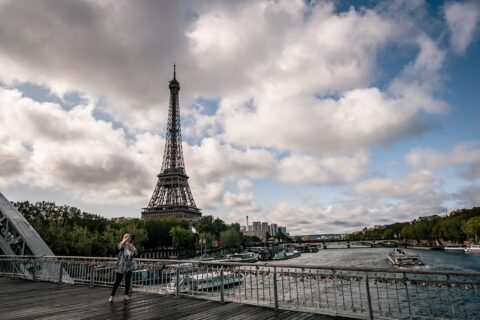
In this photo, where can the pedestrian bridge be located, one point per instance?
(321, 291)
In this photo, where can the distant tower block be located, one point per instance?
(172, 196)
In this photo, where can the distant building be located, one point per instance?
(259, 233)
(265, 227)
(120, 219)
(273, 229)
(257, 226)
(282, 230)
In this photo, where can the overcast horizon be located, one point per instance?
(323, 117)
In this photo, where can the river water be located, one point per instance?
(376, 257)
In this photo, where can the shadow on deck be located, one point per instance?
(21, 299)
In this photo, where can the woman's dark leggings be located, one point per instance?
(118, 279)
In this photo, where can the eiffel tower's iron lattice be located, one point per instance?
(172, 196)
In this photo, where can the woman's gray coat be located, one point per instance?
(125, 261)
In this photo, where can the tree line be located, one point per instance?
(458, 226)
(68, 231)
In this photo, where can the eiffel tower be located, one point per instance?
(172, 196)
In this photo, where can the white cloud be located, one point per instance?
(462, 19)
(306, 169)
(469, 196)
(49, 147)
(211, 164)
(414, 185)
(464, 157)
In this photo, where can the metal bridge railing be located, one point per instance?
(366, 293)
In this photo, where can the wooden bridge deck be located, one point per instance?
(21, 299)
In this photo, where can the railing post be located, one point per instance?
(222, 287)
(177, 281)
(60, 273)
(406, 292)
(369, 300)
(34, 274)
(275, 289)
(452, 305)
(92, 276)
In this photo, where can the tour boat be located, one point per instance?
(204, 281)
(454, 248)
(245, 257)
(474, 248)
(286, 254)
(400, 258)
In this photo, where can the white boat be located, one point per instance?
(204, 281)
(474, 248)
(459, 248)
(286, 254)
(399, 257)
(245, 257)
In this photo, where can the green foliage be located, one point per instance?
(207, 239)
(69, 231)
(249, 241)
(472, 227)
(453, 227)
(297, 239)
(182, 238)
(158, 232)
(280, 236)
(231, 237)
(207, 224)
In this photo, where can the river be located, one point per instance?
(376, 257)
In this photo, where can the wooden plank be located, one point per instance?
(22, 300)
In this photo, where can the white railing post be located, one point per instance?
(275, 289)
(177, 282)
(60, 273)
(406, 292)
(92, 276)
(34, 273)
(222, 287)
(369, 300)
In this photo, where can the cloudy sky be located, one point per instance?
(323, 116)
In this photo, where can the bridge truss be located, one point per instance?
(17, 236)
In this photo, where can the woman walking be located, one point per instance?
(124, 266)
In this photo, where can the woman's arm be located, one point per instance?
(121, 245)
(132, 248)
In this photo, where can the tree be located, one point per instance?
(207, 224)
(472, 227)
(158, 232)
(207, 238)
(230, 238)
(247, 240)
(297, 239)
(182, 238)
(280, 236)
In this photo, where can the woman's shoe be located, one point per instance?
(110, 299)
(126, 298)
